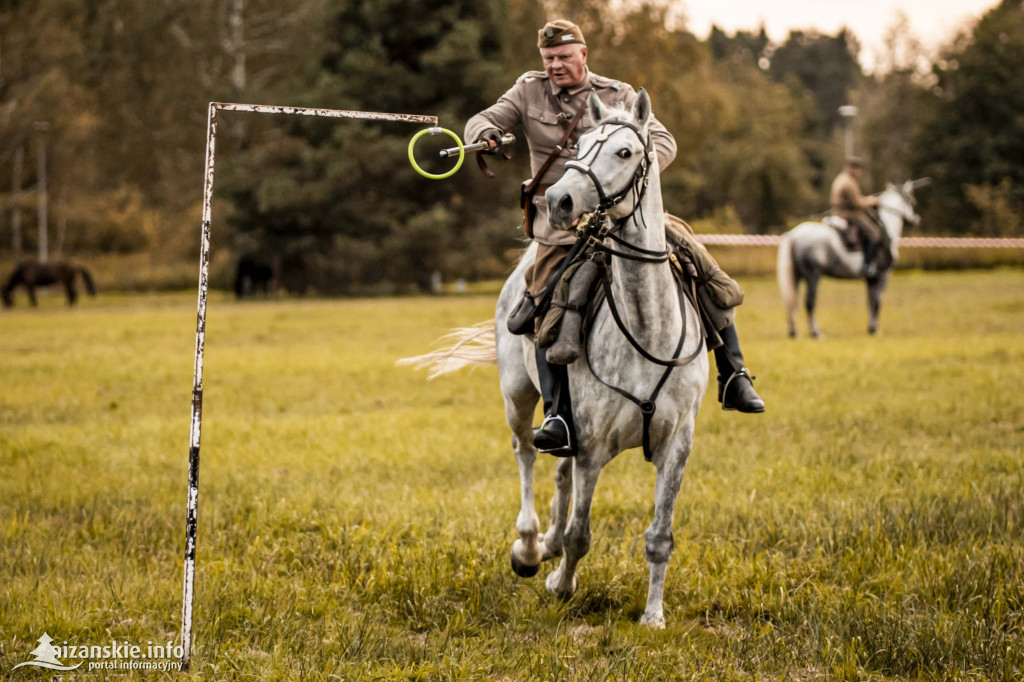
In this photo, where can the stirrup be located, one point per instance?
(743, 371)
(561, 451)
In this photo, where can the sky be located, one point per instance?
(933, 22)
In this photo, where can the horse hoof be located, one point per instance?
(552, 584)
(655, 622)
(522, 570)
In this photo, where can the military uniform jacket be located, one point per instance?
(527, 106)
(847, 201)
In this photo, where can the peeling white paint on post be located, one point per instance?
(329, 113)
(191, 519)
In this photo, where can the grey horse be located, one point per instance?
(606, 422)
(813, 249)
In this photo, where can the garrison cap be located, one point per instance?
(854, 162)
(559, 32)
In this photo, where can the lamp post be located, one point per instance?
(848, 112)
(41, 127)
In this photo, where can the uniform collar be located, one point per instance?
(579, 87)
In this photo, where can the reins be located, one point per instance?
(594, 233)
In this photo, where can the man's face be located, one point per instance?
(565, 65)
(854, 171)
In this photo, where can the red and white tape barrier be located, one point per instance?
(906, 242)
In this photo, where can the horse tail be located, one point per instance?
(786, 274)
(467, 346)
(87, 278)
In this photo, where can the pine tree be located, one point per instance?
(45, 652)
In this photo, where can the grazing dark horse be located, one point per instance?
(32, 274)
(253, 274)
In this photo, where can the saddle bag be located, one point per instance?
(520, 320)
(552, 322)
(722, 290)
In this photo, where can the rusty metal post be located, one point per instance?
(192, 513)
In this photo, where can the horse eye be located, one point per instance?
(625, 153)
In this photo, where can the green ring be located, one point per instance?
(433, 131)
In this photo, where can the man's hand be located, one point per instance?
(493, 136)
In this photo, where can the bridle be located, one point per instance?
(637, 184)
(592, 234)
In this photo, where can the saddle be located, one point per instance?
(847, 232)
(576, 295)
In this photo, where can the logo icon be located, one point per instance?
(46, 656)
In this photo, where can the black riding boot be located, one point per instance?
(557, 434)
(735, 385)
(870, 251)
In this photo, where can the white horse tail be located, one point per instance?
(467, 346)
(786, 275)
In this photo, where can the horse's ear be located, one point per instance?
(642, 107)
(598, 111)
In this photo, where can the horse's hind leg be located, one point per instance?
(791, 308)
(562, 581)
(69, 289)
(659, 534)
(810, 301)
(555, 537)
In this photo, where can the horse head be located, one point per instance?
(897, 209)
(613, 164)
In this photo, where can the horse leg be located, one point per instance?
(528, 550)
(554, 538)
(810, 300)
(32, 295)
(791, 306)
(659, 535)
(875, 288)
(562, 581)
(72, 293)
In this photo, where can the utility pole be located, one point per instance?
(41, 128)
(19, 161)
(848, 112)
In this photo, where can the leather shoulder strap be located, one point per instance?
(570, 127)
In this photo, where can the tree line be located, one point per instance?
(113, 95)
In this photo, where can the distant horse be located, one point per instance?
(253, 274)
(32, 274)
(617, 176)
(813, 249)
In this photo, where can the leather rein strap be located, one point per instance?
(594, 237)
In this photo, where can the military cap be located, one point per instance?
(559, 32)
(854, 162)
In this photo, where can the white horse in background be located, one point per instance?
(615, 162)
(813, 249)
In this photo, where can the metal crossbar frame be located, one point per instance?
(188, 591)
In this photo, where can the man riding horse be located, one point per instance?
(856, 209)
(551, 108)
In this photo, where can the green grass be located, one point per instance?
(355, 520)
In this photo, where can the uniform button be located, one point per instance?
(566, 99)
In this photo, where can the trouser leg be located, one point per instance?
(735, 384)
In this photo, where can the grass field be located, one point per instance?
(355, 521)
